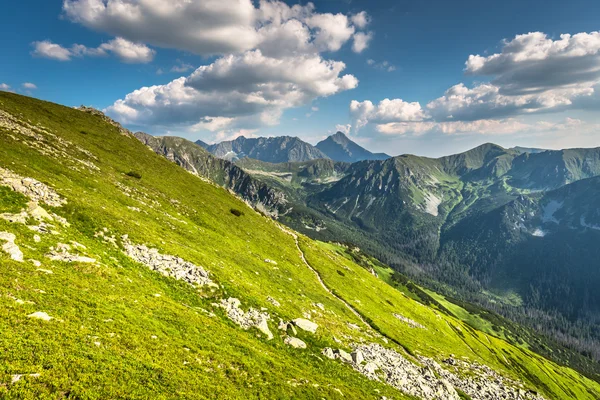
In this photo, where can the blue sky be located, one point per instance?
(540, 89)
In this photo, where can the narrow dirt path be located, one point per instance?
(356, 313)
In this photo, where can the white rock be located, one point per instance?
(328, 352)
(45, 271)
(371, 367)
(305, 325)
(10, 247)
(357, 357)
(251, 318)
(40, 315)
(342, 355)
(294, 342)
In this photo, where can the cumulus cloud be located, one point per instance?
(534, 63)
(125, 50)
(331, 30)
(5, 87)
(29, 86)
(217, 27)
(531, 74)
(361, 20)
(361, 41)
(249, 87)
(396, 110)
(47, 49)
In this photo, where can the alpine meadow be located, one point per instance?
(282, 199)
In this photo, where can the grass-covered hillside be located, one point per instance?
(119, 271)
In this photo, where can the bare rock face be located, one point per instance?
(167, 265)
(246, 320)
(10, 247)
(35, 190)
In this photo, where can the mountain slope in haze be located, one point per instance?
(541, 246)
(123, 275)
(339, 148)
(196, 160)
(274, 150)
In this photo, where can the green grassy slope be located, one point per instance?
(120, 330)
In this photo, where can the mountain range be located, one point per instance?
(283, 149)
(144, 267)
(417, 214)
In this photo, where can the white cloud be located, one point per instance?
(47, 49)
(212, 124)
(218, 27)
(396, 110)
(532, 73)
(314, 109)
(198, 26)
(129, 52)
(345, 129)
(361, 41)
(251, 88)
(181, 67)
(269, 57)
(29, 86)
(483, 127)
(4, 87)
(332, 30)
(361, 20)
(533, 62)
(382, 66)
(125, 50)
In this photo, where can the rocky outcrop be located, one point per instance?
(379, 363)
(246, 320)
(479, 381)
(10, 247)
(409, 322)
(167, 265)
(35, 190)
(61, 252)
(429, 380)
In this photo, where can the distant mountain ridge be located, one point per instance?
(273, 149)
(284, 149)
(339, 147)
